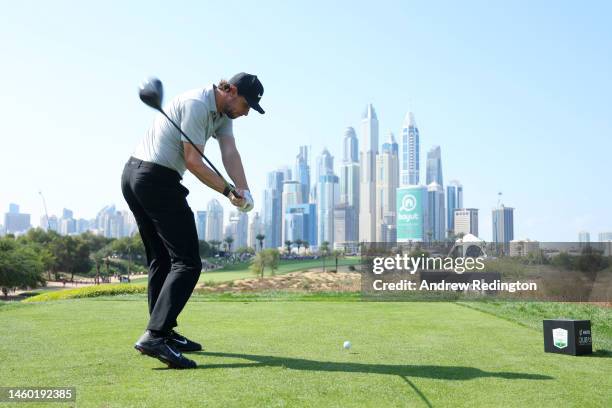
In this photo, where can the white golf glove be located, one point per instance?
(248, 201)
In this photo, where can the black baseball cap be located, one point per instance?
(250, 87)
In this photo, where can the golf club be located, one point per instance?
(152, 93)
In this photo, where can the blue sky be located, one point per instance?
(517, 94)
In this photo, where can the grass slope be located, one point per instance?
(241, 270)
(277, 354)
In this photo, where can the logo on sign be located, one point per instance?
(409, 203)
(560, 338)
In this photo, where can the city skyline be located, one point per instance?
(506, 94)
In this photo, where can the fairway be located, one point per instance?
(277, 354)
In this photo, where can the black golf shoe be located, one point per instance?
(162, 349)
(182, 343)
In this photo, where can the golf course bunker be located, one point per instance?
(311, 281)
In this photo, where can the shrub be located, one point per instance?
(89, 291)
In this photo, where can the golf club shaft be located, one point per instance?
(228, 185)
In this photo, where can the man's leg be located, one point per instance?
(164, 202)
(158, 258)
(178, 232)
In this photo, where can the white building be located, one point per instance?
(214, 221)
(387, 182)
(369, 151)
(255, 228)
(328, 196)
(409, 152)
(466, 221)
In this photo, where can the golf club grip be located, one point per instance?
(231, 187)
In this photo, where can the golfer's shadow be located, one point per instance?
(422, 371)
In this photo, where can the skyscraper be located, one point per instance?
(437, 215)
(503, 225)
(68, 224)
(434, 166)
(466, 221)
(605, 236)
(238, 229)
(16, 222)
(349, 184)
(410, 162)
(454, 200)
(328, 196)
(214, 221)
(201, 225)
(325, 164)
(584, 237)
(367, 201)
(272, 211)
(301, 223)
(292, 195)
(350, 146)
(82, 225)
(49, 224)
(344, 228)
(387, 182)
(255, 228)
(302, 172)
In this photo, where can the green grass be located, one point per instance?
(531, 314)
(289, 353)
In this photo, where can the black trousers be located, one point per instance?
(167, 228)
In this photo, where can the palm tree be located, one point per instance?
(306, 245)
(228, 241)
(324, 249)
(288, 245)
(337, 254)
(299, 243)
(260, 238)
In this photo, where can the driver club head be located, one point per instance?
(151, 92)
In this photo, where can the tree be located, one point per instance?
(324, 249)
(590, 262)
(337, 254)
(298, 242)
(260, 238)
(245, 250)
(229, 241)
(215, 244)
(288, 245)
(204, 249)
(271, 257)
(563, 261)
(265, 258)
(20, 265)
(258, 264)
(39, 240)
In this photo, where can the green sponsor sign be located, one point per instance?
(410, 202)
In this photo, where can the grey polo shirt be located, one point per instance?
(196, 113)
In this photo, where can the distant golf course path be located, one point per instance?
(286, 354)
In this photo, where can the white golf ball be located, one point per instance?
(347, 345)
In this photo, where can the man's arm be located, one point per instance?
(194, 163)
(232, 161)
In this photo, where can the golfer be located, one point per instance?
(151, 185)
